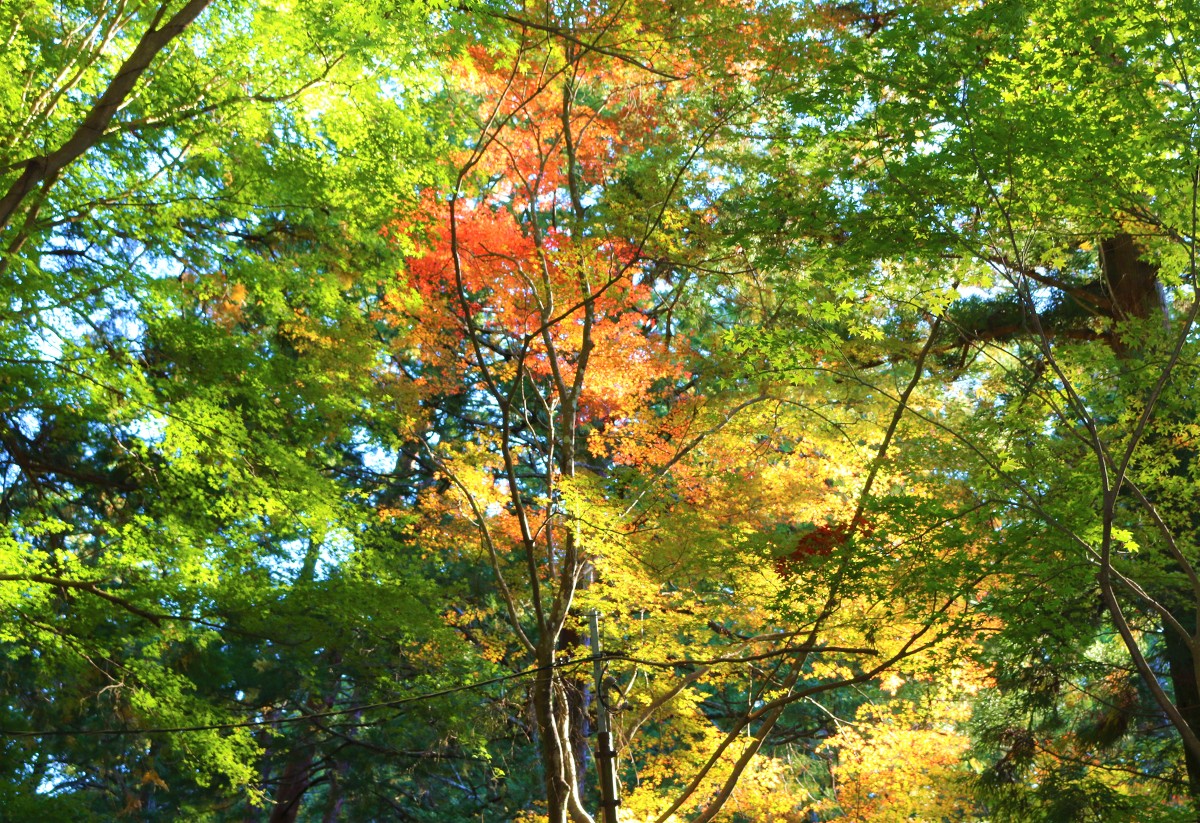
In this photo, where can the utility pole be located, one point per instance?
(606, 757)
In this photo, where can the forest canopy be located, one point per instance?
(646, 410)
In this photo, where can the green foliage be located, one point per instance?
(876, 322)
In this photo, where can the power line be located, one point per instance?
(383, 704)
(418, 698)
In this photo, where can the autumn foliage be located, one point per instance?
(395, 395)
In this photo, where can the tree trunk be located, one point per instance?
(1132, 287)
(554, 757)
(1187, 697)
(292, 785)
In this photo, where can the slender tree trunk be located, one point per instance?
(577, 699)
(554, 757)
(333, 806)
(1187, 697)
(1132, 287)
(292, 786)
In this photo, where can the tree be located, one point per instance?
(351, 357)
(566, 241)
(535, 308)
(184, 362)
(1040, 161)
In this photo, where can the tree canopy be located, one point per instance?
(781, 411)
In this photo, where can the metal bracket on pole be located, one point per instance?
(606, 757)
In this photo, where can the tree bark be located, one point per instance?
(292, 785)
(554, 758)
